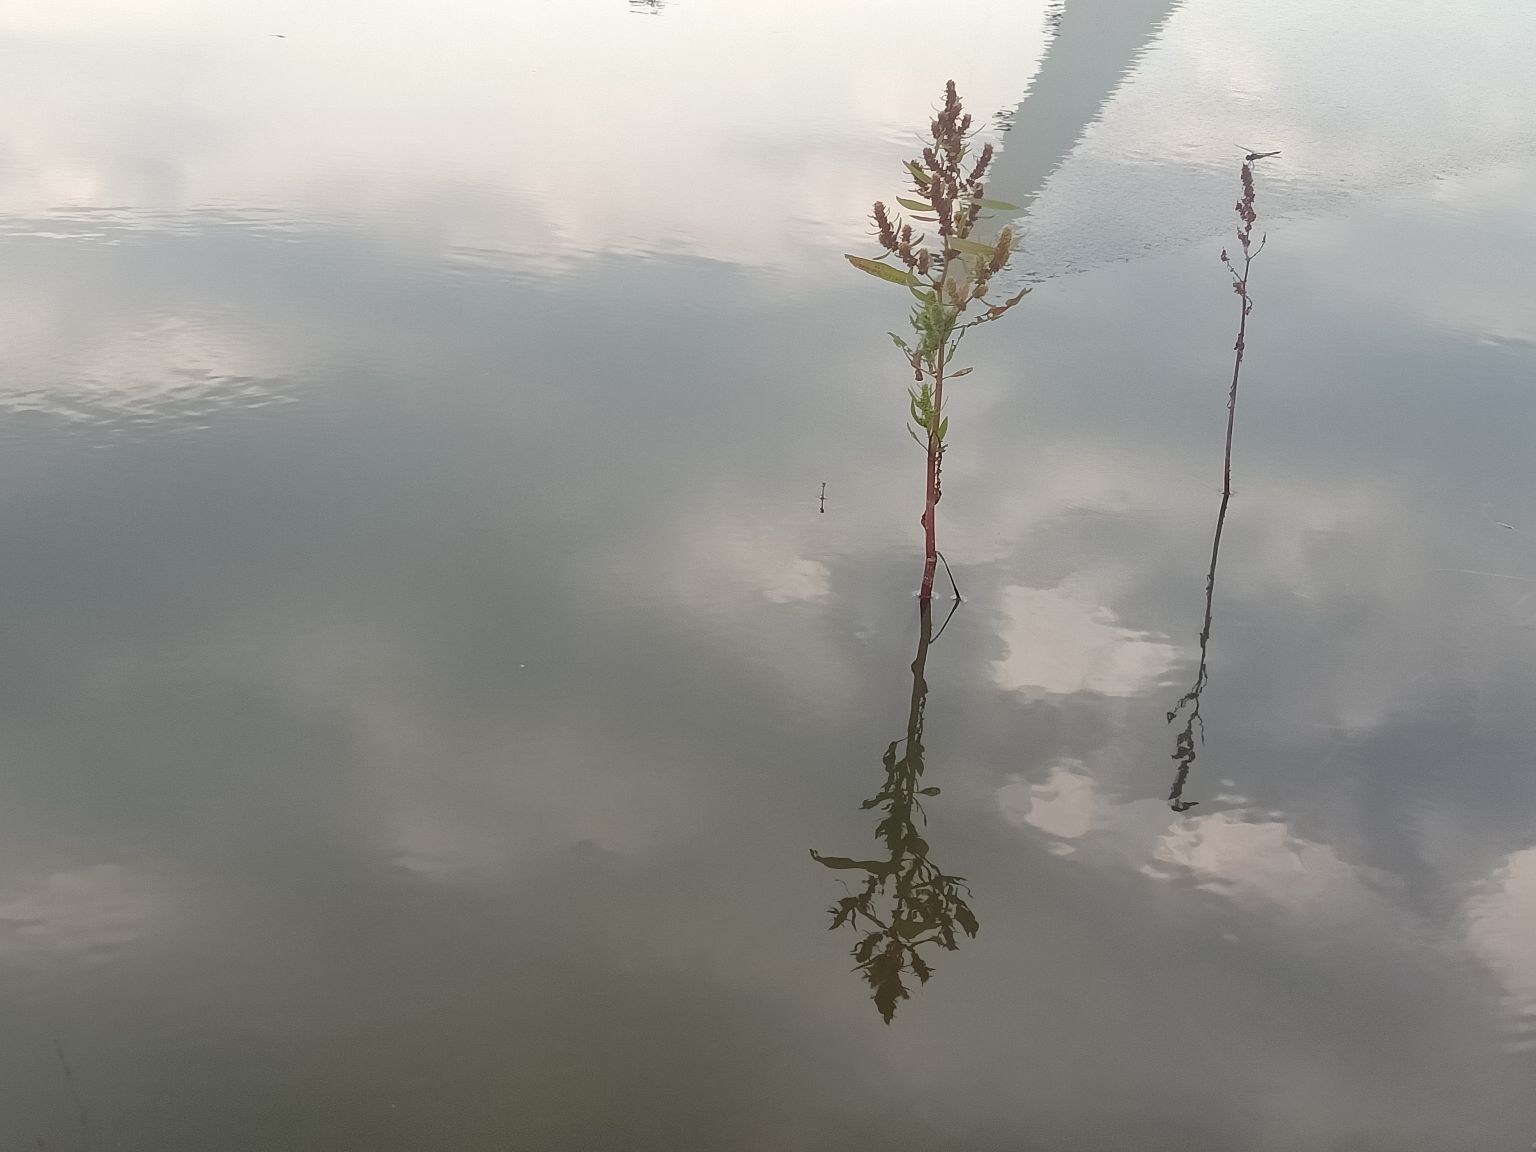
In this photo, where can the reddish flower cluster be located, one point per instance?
(1245, 211)
(941, 183)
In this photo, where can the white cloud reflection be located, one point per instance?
(1501, 931)
(1062, 640)
(1065, 806)
(730, 131)
(87, 912)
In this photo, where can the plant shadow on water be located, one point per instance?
(1189, 703)
(907, 903)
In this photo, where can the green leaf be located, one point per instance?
(971, 246)
(914, 205)
(900, 343)
(912, 432)
(999, 205)
(884, 271)
(917, 173)
(930, 791)
(966, 918)
(943, 432)
(962, 372)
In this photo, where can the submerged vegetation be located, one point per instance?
(949, 279)
(906, 903)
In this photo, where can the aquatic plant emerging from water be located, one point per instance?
(1246, 216)
(906, 903)
(949, 280)
(1194, 725)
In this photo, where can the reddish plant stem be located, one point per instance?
(930, 539)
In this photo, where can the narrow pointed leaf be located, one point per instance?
(914, 205)
(884, 271)
(999, 205)
(969, 246)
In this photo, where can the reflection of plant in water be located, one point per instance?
(946, 281)
(906, 903)
(1184, 746)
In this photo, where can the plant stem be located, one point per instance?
(1237, 366)
(930, 539)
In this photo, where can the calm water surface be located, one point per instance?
(427, 681)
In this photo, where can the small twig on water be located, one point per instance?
(953, 586)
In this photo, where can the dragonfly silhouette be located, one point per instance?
(1252, 155)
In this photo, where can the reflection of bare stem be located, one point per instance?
(906, 902)
(74, 1094)
(1184, 746)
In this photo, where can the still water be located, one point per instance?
(432, 696)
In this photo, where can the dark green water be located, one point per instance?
(426, 672)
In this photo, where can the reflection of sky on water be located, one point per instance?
(543, 131)
(433, 752)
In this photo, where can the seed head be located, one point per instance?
(883, 228)
(982, 164)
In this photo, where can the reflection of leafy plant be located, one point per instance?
(906, 902)
(946, 281)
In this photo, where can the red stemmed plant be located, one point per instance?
(948, 279)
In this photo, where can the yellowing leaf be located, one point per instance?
(960, 243)
(884, 271)
(999, 205)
